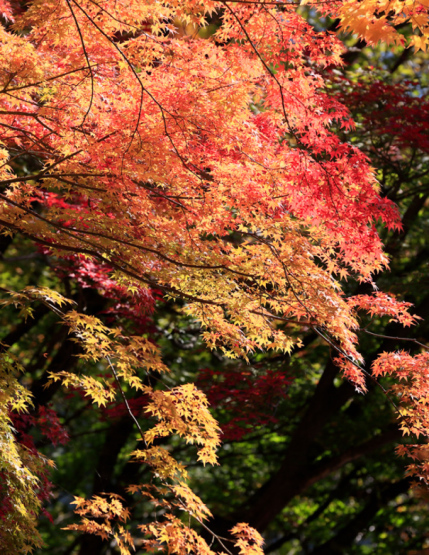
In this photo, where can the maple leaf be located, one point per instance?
(209, 171)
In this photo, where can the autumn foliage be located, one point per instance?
(202, 171)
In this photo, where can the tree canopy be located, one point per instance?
(194, 200)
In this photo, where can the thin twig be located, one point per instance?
(126, 400)
(396, 338)
(87, 62)
(361, 368)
